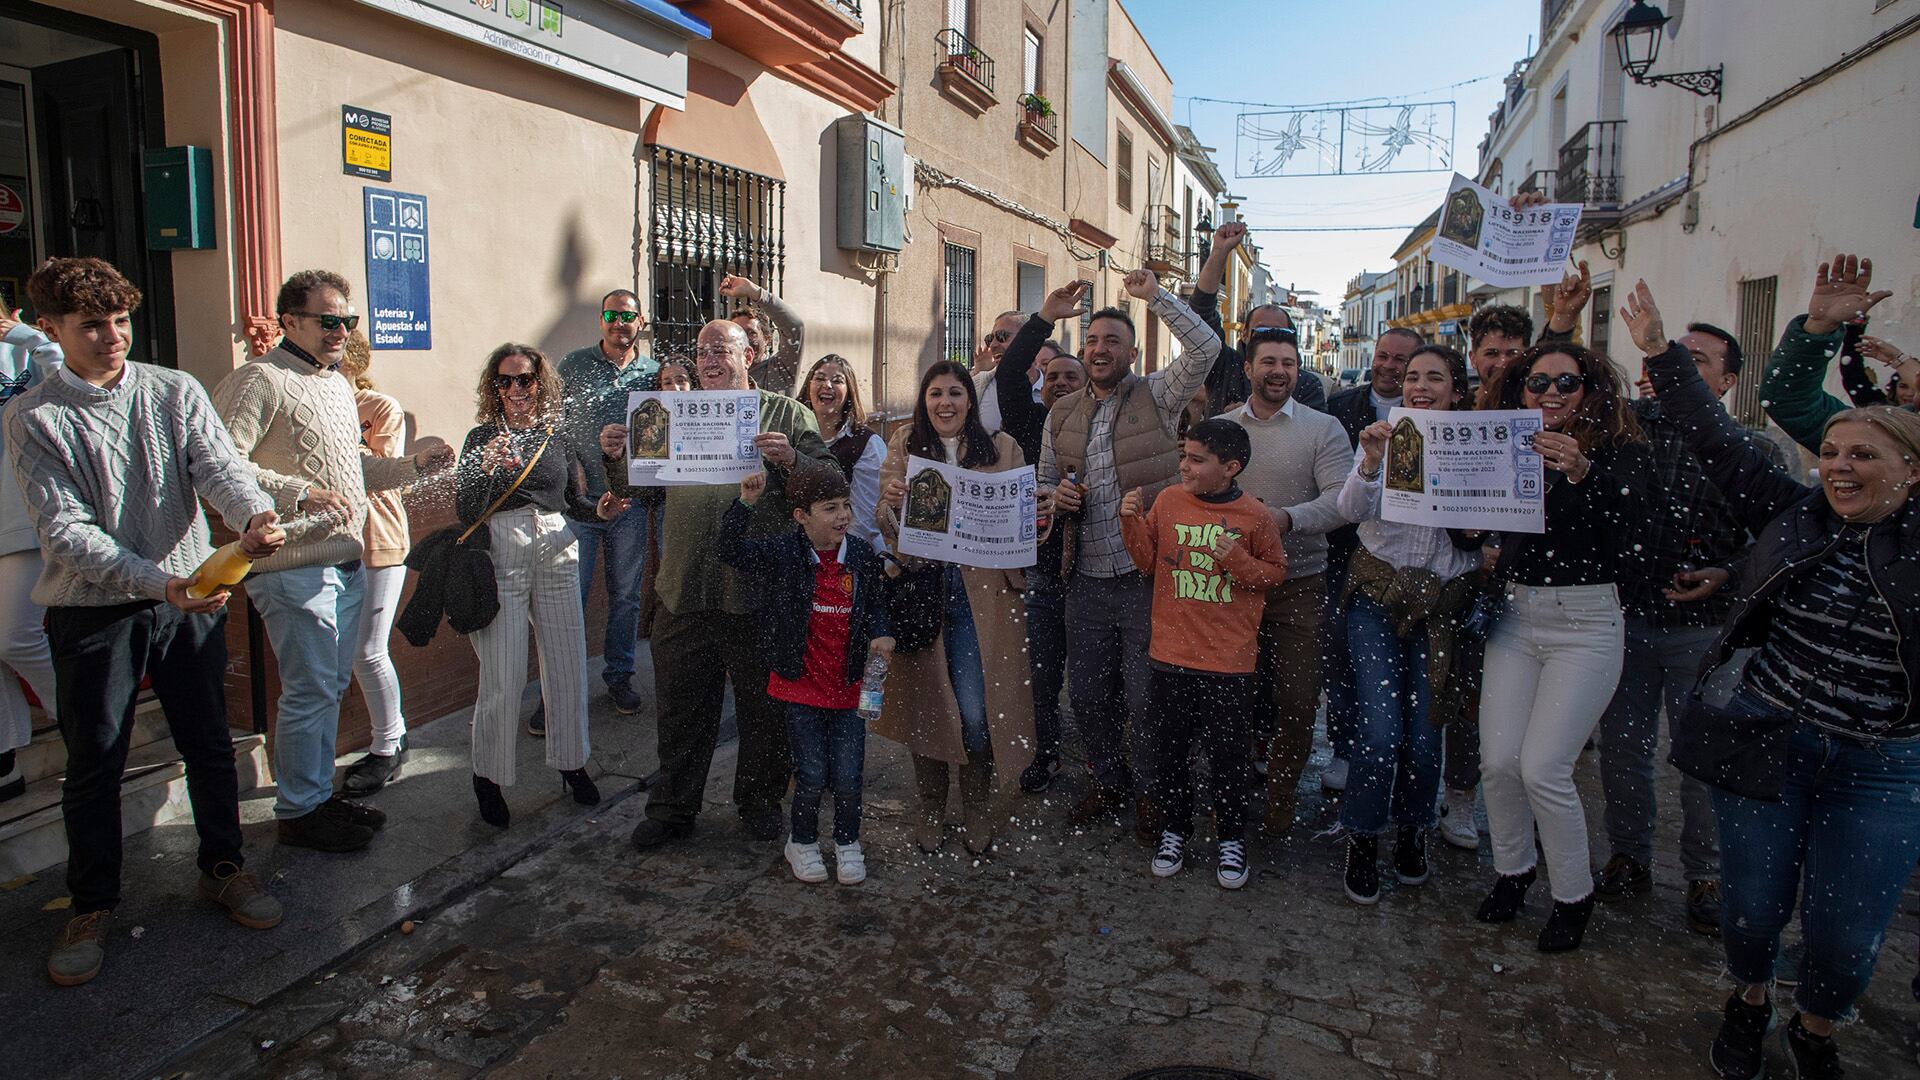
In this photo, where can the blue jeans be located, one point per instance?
(1848, 820)
(829, 752)
(313, 620)
(624, 543)
(1046, 656)
(1396, 749)
(1337, 674)
(963, 665)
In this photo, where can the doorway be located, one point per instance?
(79, 103)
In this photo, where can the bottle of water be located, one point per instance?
(870, 686)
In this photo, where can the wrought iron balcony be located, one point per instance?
(1589, 170)
(1165, 250)
(1543, 180)
(851, 7)
(964, 57)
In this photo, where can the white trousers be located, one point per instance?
(24, 653)
(1551, 667)
(536, 568)
(379, 684)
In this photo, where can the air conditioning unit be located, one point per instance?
(872, 182)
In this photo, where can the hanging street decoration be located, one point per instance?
(1345, 141)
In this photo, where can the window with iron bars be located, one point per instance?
(708, 220)
(1755, 332)
(960, 304)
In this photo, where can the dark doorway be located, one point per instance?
(79, 106)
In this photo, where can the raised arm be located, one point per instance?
(1853, 370)
(777, 372)
(1796, 373)
(1199, 345)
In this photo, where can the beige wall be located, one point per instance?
(530, 178)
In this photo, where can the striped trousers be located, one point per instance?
(536, 568)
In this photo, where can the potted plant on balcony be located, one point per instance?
(1038, 108)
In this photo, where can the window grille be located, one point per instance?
(708, 220)
(1756, 341)
(961, 338)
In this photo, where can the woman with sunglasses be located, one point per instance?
(1828, 593)
(963, 700)
(536, 569)
(1554, 658)
(833, 393)
(1405, 584)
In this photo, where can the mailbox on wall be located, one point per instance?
(872, 184)
(179, 198)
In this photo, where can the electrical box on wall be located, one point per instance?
(871, 184)
(179, 198)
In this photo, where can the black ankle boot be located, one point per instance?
(578, 782)
(493, 805)
(1410, 856)
(1509, 895)
(1363, 868)
(1566, 925)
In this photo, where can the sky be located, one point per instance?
(1289, 52)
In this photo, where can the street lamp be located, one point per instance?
(1636, 38)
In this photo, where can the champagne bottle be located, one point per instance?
(223, 569)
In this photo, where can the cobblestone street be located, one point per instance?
(1059, 957)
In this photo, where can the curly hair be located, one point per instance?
(1500, 319)
(547, 378)
(62, 287)
(358, 358)
(298, 288)
(1602, 418)
(851, 411)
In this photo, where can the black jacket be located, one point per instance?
(1794, 524)
(1025, 421)
(1354, 409)
(456, 581)
(785, 564)
(1227, 383)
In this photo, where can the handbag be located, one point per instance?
(456, 578)
(1481, 616)
(916, 605)
(1737, 752)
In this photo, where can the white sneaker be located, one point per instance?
(1233, 864)
(807, 864)
(1171, 856)
(1456, 821)
(849, 863)
(1335, 777)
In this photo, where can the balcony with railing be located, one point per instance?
(1589, 171)
(851, 8)
(1039, 125)
(1541, 180)
(1165, 249)
(966, 72)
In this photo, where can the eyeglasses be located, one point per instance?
(714, 352)
(523, 380)
(329, 323)
(1565, 383)
(611, 317)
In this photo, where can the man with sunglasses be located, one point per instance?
(1227, 382)
(597, 380)
(295, 419)
(986, 367)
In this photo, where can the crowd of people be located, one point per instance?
(1212, 559)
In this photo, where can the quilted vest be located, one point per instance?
(1144, 454)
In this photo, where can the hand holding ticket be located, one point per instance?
(1502, 242)
(1466, 470)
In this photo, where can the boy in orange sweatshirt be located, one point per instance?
(1212, 552)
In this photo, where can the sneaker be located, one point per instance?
(1038, 776)
(1171, 856)
(13, 779)
(651, 833)
(849, 863)
(1624, 877)
(1363, 868)
(77, 958)
(537, 723)
(1738, 1050)
(240, 893)
(1457, 826)
(1335, 776)
(322, 830)
(1232, 872)
(1410, 856)
(373, 772)
(625, 701)
(355, 813)
(806, 862)
(1815, 1057)
(1703, 907)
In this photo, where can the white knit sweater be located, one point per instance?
(110, 478)
(300, 426)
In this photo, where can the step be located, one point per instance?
(46, 755)
(33, 836)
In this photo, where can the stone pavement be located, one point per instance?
(1058, 957)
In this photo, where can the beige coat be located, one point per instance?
(920, 711)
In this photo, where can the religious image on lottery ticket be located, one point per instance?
(1464, 470)
(1483, 236)
(691, 437)
(973, 518)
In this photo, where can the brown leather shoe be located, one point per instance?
(240, 893)
(1097, 805)
(931, 830)
(77, 958)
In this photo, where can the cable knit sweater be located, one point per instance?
(300, 427)
(110, 478)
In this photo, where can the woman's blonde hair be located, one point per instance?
(358, 359)
(1903, 425)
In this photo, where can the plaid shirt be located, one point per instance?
(1684, 507)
